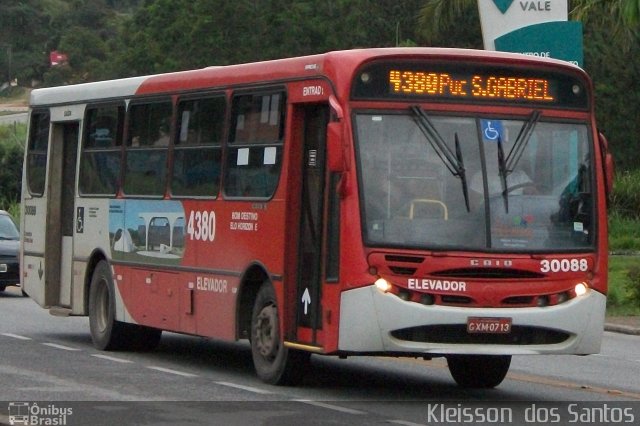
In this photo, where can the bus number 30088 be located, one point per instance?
(202, 226)
(564, 265)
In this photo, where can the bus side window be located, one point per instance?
(255, 145)
(148, 135)
(198, 153)
(37, 152)
(102, 142)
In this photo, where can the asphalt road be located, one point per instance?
(50, 370)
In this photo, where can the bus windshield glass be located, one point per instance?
(475, 182)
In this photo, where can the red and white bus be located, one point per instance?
(405, 202)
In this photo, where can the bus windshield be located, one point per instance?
(474, 182)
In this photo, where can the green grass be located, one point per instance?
(13, 134)
(624, 234)
(624, 239)
(12, 207)
(14, 210)
(618, 301)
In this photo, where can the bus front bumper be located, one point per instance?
(375, 322)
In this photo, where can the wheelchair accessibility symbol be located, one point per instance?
(492, 130)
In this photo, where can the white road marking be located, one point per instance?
(16, 336)
(112, 358)
(247, 388)
(170, 371)
(57, 346)
(331, 407)
(405, 423)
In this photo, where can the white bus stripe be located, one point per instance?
(170, 371)
(16, 336)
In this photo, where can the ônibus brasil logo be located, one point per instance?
(32, 414)
(503, 5)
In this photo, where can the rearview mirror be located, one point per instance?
(608, 165)
(337, 154)
(335, 151)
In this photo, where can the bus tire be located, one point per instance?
(106, 333)
(479, 371)
(274, 362)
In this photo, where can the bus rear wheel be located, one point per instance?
(479, 371)
(106, 333)
(274, 362)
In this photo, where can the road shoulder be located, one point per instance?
(623, 324)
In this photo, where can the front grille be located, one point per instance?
(455, 300)
(402, 270)
(403, 265)
(404, 259)
(519, 300)
(491, 273)
(457, 334)
(11, 275)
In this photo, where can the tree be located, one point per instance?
(621, 16)
(613, 66)
(23, 33)
(167, 35)
(10, 163)
(440, 17)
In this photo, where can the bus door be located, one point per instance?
(312, 206)
(60, 213)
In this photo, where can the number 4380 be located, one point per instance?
(202, 225)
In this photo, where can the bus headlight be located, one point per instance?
(581, 289)
(383, 285)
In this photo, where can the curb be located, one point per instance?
(623, 329)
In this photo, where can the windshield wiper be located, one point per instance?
(452, 161)
(502, 169)
(506, 166)
(521, 141)
(461, 173)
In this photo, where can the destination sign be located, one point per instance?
(458, 81)
(473, 86)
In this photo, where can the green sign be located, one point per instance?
(559, 40)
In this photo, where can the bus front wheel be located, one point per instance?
(479, 371)
(274, 362)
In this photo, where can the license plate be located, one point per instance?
(488, 325)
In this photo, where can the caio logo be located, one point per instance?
(503, 5)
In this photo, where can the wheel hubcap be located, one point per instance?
(103, 307)
(266, 332)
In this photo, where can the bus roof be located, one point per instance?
(339, 66)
